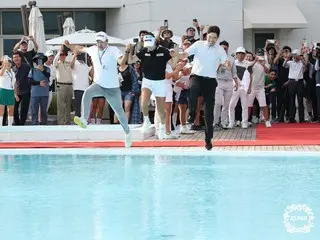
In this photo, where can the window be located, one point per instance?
(51, 22)
(95, 21)
(261, 38)
(12, 23)
(8, 45)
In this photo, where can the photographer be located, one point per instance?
(317, 68)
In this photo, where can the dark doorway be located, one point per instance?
(261, 38)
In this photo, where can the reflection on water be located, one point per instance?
(162, 197)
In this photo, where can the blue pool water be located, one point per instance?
(110, 197)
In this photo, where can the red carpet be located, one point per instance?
(288, 133)
(277, 135)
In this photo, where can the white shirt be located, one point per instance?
(206, 59)
(80, 76)
(295, 69)
(7, 80)
(258, 76)
(52, 73)
(106, 71)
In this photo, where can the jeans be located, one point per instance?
(41, 102)
(78, 98)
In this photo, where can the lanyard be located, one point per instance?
(10, 75)
(100, 57)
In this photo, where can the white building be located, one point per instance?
(242, 22)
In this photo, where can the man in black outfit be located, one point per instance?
(208, 57)
(21, 71)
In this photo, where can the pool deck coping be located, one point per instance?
(312, 151)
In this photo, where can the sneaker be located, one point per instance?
(224, 126)
(268, 124)
(255, 120)
(81, 122)
(161, 132)
(244, 125)
(250, 124)
(92, 121)
(238, 124)
(128, 140)
(230, 126)
(185, 130)
(171, 136)
(146, 125)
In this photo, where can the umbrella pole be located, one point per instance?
(60, 23)
(24, 20)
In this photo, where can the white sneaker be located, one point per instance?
(268, 124)
(244, 125)
(186, 130)
(238, 124)
(146, 125)
(231, 125)
(128, 140)
(161, 132)
(171, 136)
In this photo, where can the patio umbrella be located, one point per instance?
(68, 26)
(84, 37)
(36, 29)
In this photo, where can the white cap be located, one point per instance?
(241, 50)
(149, 41)
(101, 36)
(49, 53)
(296, 52)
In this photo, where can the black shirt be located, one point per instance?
(283, 74)
(127, 80)
(154, 63)
(22, 80)
(28, 57)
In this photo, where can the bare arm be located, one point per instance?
(75, 48)
(35, 44)
(125, 58)
(73, 60)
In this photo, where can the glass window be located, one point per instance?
(51, 22)
(12, 23)
(8, 45)
(95, 20)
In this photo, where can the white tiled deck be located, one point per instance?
(70, 133)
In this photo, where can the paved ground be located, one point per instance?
(221, 134)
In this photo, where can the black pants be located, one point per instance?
(207, 88)
(314, 100)
(272, 99)
(78, 98)
(238, 111)
(20, 115)
(296, 89)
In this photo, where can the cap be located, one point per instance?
(149, 40)
(24, 41)
(101, 36)
(49, 53)
(296, 52)
(241, 50)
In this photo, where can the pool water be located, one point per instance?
(109, 197)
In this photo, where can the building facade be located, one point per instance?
(245, 23)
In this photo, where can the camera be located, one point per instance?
(318, 50)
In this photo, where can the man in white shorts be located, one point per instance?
(244, 73)
(154, 59)
(106, 82)
(259, 69)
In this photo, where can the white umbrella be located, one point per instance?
(175, 39)
(36, 30)
(68, 26)
(84, 37)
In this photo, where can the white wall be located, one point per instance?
(140, 14)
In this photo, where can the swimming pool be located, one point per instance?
(62, 194)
